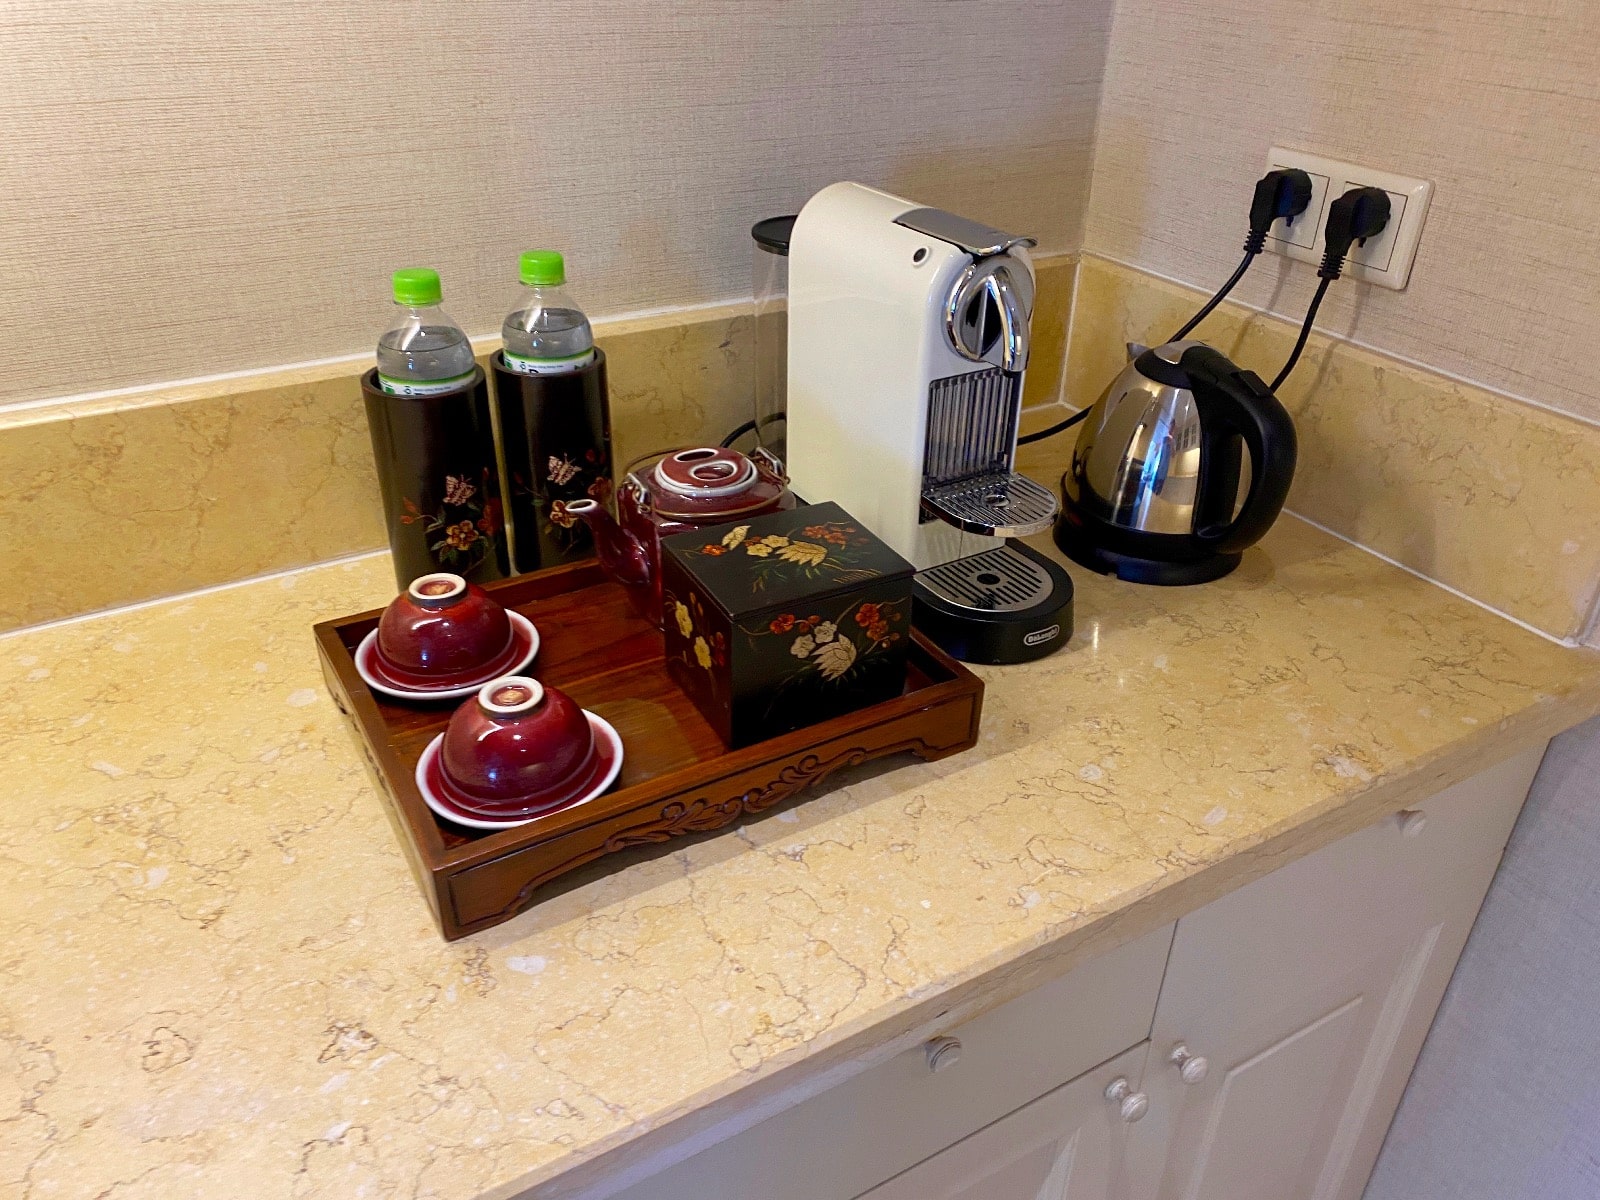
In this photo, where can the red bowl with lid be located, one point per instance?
(441, 629)
(516, 742)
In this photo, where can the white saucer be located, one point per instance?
(513, 661)
(442, 807)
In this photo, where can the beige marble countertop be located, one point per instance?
(218, 978)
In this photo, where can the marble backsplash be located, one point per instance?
(113, 500)
(119, 499)
(1485, 494)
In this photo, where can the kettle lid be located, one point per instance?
(1164, 364)
(1172, 352)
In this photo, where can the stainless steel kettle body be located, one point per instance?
(1154, 492)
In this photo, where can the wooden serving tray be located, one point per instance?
(676, 777)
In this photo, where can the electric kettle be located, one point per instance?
(1153, 492)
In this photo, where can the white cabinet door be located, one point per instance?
(1309, 993)
(1066, 1145)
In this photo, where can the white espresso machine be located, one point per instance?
(908, 338)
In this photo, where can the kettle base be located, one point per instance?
(1132, 568)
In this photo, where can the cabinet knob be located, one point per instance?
(942, 1052)
(1131, 1105)
(1412, 821)
(1192, 1068)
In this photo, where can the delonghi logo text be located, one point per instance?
(1041, 635)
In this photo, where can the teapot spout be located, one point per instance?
(619, 551)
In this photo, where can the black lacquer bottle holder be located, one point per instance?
(435, 457)
(555, 432)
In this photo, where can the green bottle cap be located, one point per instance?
(542, 268)
(417, 287)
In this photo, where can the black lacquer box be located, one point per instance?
(786, 620)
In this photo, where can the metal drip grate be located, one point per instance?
(972, 426)
(1003, 504)
(998, 580)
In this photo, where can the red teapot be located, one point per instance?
(670, 493)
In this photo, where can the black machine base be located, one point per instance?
(1006, 605)
(1146, 570)
(1181, 559)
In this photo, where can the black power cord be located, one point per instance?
(747, 427)
(1050, 431)
(1360, 213)
(1219, 297)
(1282, 193)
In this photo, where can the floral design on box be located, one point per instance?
(465, 525)
(831, 648)
(835, 648)
(703, 647)
(832, 550)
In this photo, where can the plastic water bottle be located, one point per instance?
(546, 333)
(423, 352)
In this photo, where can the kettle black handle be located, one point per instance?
(1235, 402)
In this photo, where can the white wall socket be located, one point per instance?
(1385, 259)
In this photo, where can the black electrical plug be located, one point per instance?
(1283, 193)
(1360, 213)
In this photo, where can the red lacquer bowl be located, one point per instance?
(441, 628)
(516, 742)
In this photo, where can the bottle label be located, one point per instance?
(547, 366)
(422, 387)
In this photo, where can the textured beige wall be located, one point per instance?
(1498, 104)
(225, 184)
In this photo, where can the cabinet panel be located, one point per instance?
(1269, 1108)
(1299, 1093)
(840, 1142)
(1464, 823)
(1066, 1145)
(1309, 992)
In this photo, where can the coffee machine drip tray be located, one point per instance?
(998, 580)
(1002, 504)
(1010, 604)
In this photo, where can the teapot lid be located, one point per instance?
(705, 473)
(708, 483)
